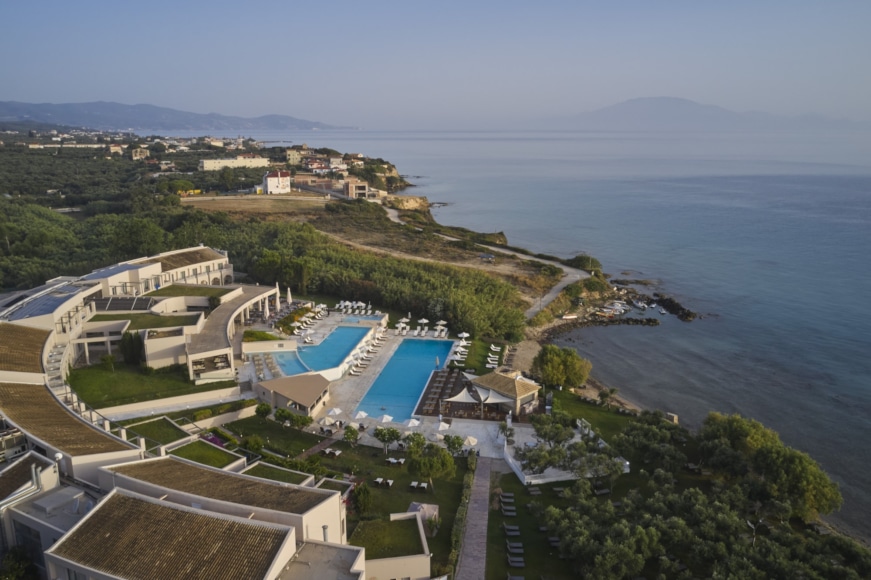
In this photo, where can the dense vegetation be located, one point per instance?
(744, 518)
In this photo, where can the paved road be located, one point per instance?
(473, 555)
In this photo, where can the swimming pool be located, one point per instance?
(396, 390)
(327, 355)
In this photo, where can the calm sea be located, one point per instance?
(767, 235)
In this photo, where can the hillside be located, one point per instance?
(110, 116)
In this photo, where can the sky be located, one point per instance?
(409, 65)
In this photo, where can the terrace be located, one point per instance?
(21, 348)
(34, 410)
(215, 484)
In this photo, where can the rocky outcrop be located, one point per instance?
(406, 202)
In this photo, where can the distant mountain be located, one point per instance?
(675, 114)
(117, 117)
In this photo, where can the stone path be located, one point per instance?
(317, 448)
(473, 554)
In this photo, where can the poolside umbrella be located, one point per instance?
(463, 335)
(442, 322)
(411, 423)
(296, 323)
(423, 321)
(404, 320)
(437, 437)
(385, 419)
(328, 421)
(361, 415)
(335, 411)
(470, 441)
(444, 426)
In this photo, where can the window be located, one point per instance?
(73, 575)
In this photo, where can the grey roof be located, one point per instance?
(111, 271)
(45, 304)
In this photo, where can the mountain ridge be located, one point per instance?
(108, 115)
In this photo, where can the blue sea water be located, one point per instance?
(767, 235)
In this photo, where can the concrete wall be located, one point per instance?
(163, 352)
(416, 567)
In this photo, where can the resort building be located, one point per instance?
(276, 182)
(510, 390)
(306, 394)
(239, 161)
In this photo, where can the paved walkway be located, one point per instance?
(473, 555)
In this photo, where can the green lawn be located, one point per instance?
(258, 336)
(161, 430)
(140, 321)
(386, 539)
(176, 290)
(285, 441)
(202, 452)
(100, 388)
(369, 463)
(607, 422)
(276, 474)
(540, 557)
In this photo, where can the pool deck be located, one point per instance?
(347, 393)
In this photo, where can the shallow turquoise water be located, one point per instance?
(398, 387)
(327, 355)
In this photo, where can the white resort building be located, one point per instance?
(85, 501)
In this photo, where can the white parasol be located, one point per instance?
(361, 415)
(385, 419)
(463, 335)
(328, 421)
(444, 426)
(470, 441)
(335, 411)
(423, 321)
(411, 423)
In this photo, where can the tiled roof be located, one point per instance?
(35, 411)
(303, 389)
(134, 538)
(21, 348)
(513, 385)
(173, 473)
(183, 259)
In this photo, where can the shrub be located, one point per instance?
(204, 414)
(263, 410)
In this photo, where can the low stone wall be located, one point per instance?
(219, 420)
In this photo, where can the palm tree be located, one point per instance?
(605, 395)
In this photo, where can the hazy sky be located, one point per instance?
(412, 65)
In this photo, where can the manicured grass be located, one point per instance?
(385, 539)
(175, 290)
(607, 422)
(276, 474)
(476, 360)
(202, 452)
(369, 463)
(161, 430)
(258, 336)
(540, 557)
(277, 438)
(100, 387)
(139, 321)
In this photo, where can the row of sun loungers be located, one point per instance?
(395, 461)
(380, 481)
(333, 452)
(421, 486)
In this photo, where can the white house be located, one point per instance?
(276, 182)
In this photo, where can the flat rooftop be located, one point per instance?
(36, 412)
(214, 334)
(324, 562)
(183, 259)
(21, 348)
(134, 538)
(173, 473)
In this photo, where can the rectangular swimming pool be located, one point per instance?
(327, 355)
(396, 390)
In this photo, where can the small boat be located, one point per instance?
(662, 311)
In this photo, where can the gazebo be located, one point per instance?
(511, 390)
